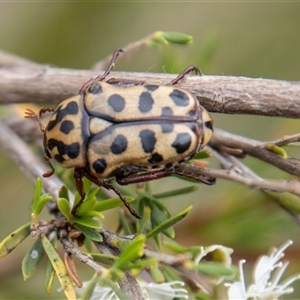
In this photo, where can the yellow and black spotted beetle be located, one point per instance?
(128, 130)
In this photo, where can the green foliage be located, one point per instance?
(89, 232)
(177, 192)
(286, 200)
(277, 150)
(214, 269)
(111, 203)
(32, 258)
(50, 271)
(164, 38)
(60, 269)
(88, 292)
(39, 200)
(164, 225)
(203, 154)
(131, 251)
(14, 239)
(157, 222)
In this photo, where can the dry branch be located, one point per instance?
(26, 159)
(256, 149)
(22, 81)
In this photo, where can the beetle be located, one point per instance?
(127, 130)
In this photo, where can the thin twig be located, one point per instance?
(129, 49)
(292, 187)
(177, 262)
(129, 285)
(286, 140)
(70, 248)
(256, 149)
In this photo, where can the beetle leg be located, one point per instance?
(161, 174)
(104, 184)
(105, 74)
(206, 180)
(80, 189)
(30, 114)
(109, 186)
(137, 178)
(187, 70)
(45, 109)
(51, 172)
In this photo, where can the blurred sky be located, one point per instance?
(243, 39)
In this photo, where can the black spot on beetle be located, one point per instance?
(95, 89)
(99, 165)
(155, 158)
(59, 158)
(151, 87)
(66, 126)
(146, 102)
(192, 113)
(193, 127)
(148, 140)
(117, 102)
(51, 125)
(182, 142)
(209, 125)
(72, 150)
(52, 143)
(179, 98)
(70, 109)
(167, 127)
(166, 111)
(119, 144)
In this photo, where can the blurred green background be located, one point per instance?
(242, 39)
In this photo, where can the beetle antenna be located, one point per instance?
(30, 114)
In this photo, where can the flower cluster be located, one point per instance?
(267, 283)
(266, 278)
